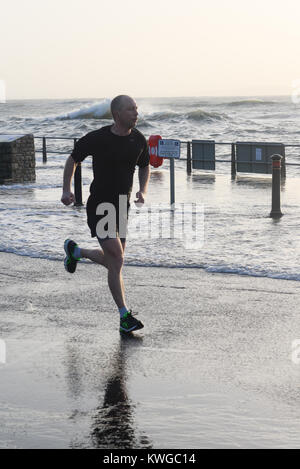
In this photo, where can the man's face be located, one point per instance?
(128, 114)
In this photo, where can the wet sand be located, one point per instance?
(211, 369)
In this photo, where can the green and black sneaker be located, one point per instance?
(129, 323)
(70, 260)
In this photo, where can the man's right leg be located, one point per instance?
(113, 250)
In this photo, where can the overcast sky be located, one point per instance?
(96, 48)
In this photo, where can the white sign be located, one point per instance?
(258, 154)
(169, 148)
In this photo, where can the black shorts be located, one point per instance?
(111, 223)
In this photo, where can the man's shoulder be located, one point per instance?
(98, 133)
(138, 134)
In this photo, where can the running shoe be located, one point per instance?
(129, 323)
(70, 260)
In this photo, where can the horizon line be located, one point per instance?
(151, 97)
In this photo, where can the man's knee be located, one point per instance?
(115, 262)
(114, 257)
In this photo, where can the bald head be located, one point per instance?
(124, 112)
(119, 102)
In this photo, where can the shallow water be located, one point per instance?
(232, 231)
(220, 224)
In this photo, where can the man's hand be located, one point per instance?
(140, 199)
(67, 198)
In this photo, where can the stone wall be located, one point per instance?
(17, 158)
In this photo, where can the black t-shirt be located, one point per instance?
(114, 161)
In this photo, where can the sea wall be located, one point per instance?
(17, 158)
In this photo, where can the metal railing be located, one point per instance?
(77, 175)
(188, 159)
(44, 150)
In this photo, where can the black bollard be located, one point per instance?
(283, 165)
(233, 160)
(78, 186)
(276, 180)
(44, 150)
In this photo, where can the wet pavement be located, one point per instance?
(212, 368)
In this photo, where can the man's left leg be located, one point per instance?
(113, 250)
(113, 255)
(94, 255)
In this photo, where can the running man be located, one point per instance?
(116, 150)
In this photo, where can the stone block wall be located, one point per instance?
(17, 159)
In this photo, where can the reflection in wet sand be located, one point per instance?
(157, 176)
(205, 178)
(113, 423)
(257, 182)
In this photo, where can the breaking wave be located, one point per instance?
(96, 111)
(196, 115)
(163, 116)
(200, 115)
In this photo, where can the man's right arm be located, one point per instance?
(68, 196)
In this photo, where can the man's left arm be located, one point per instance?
(144, 176)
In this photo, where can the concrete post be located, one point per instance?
(276, 179)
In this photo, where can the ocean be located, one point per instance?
(237, 234)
